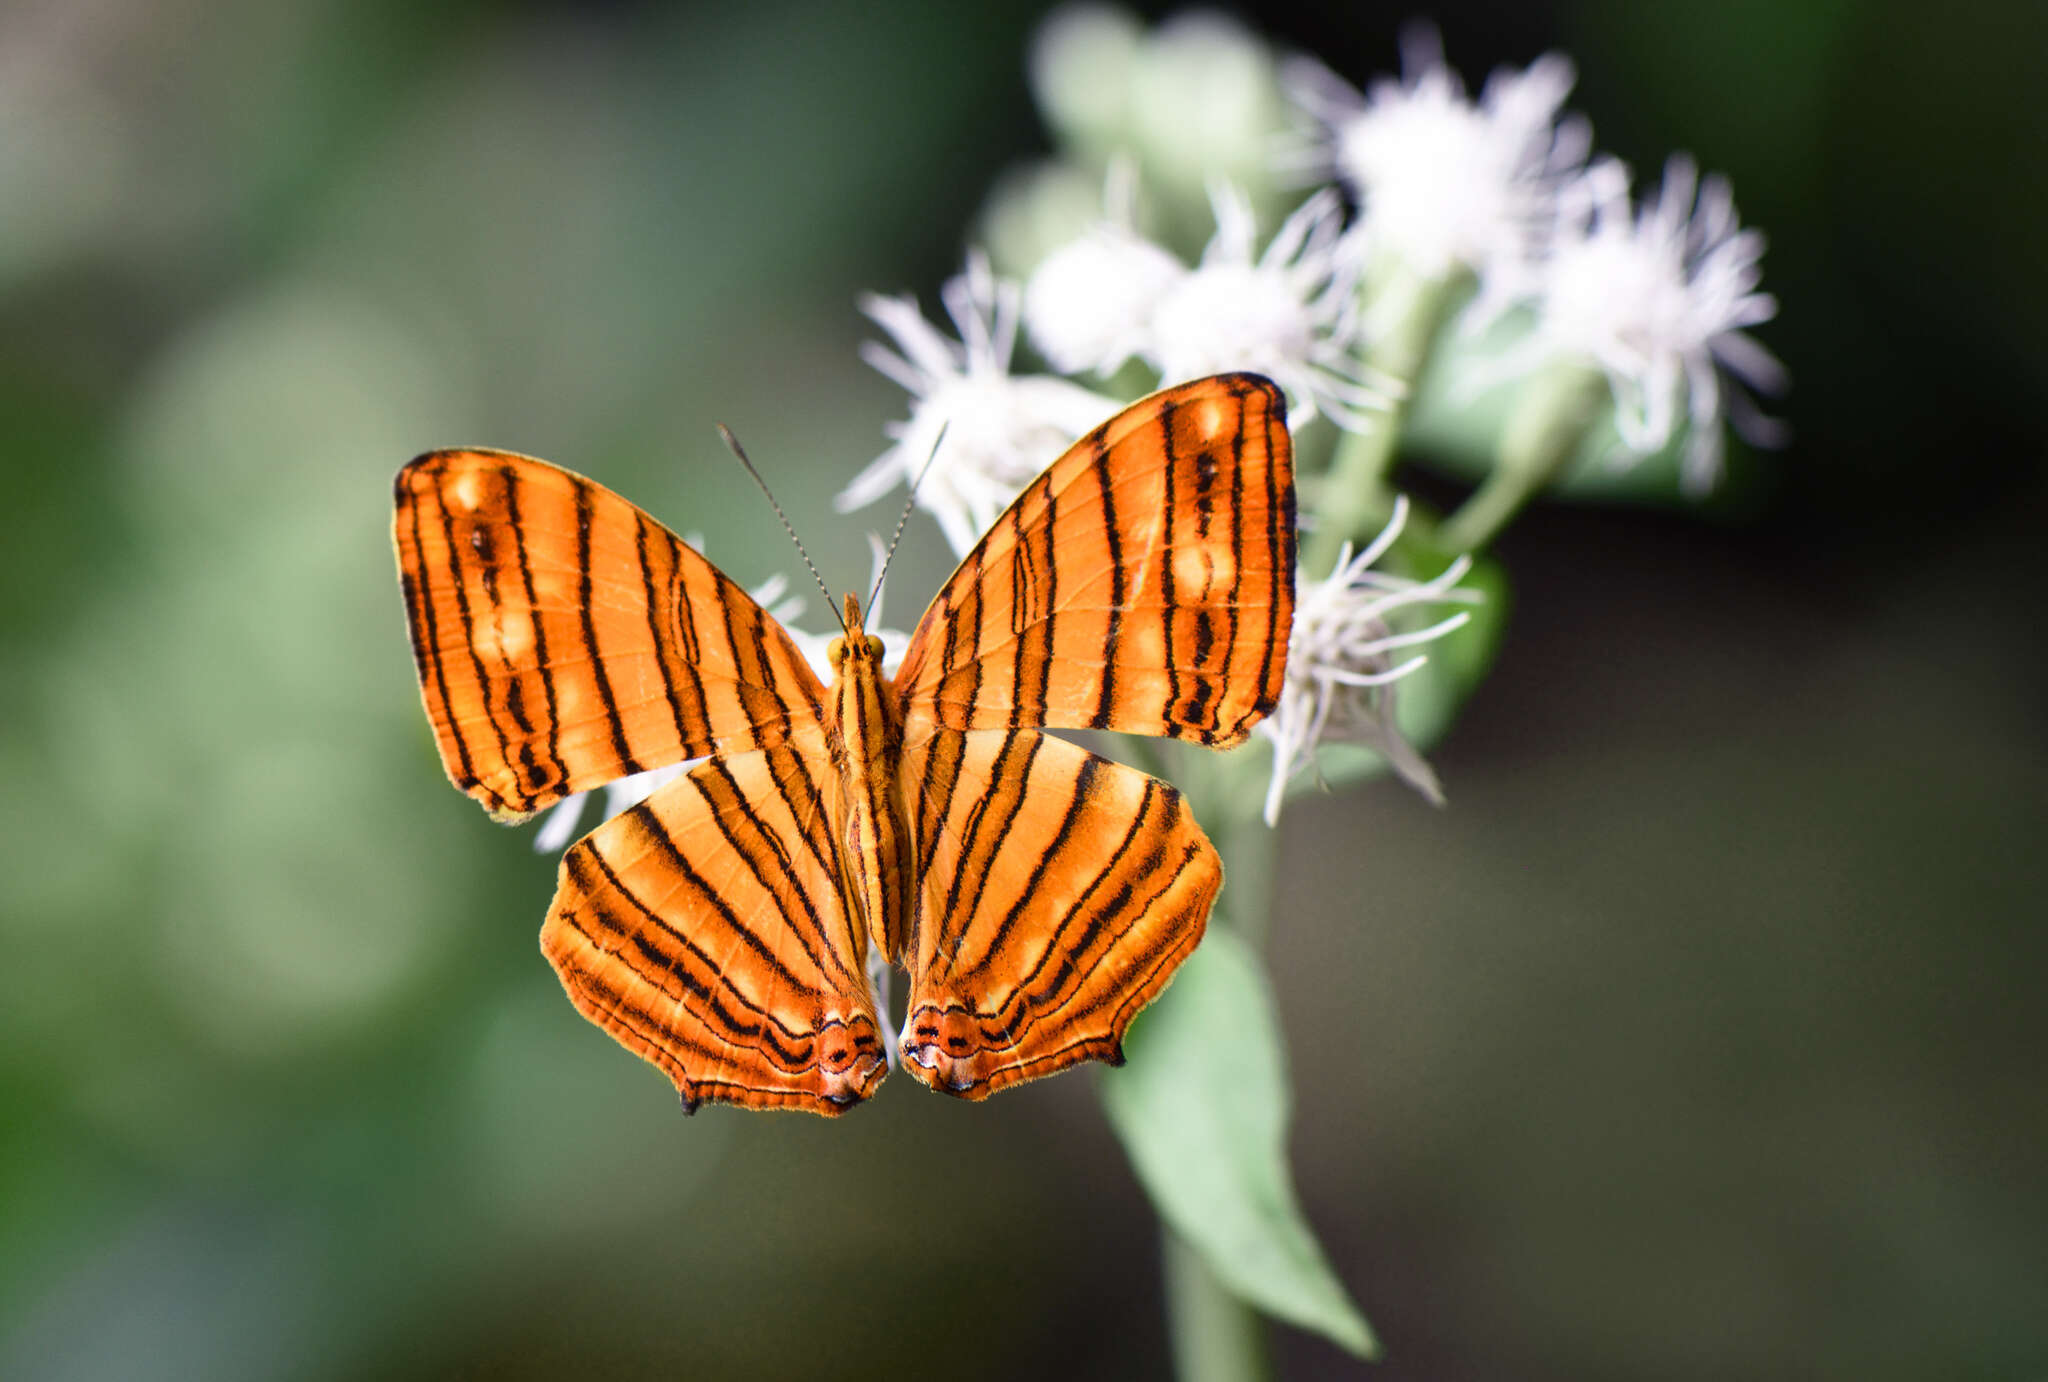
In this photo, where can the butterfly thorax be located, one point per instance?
(876, 854)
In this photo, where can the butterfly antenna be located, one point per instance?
(733, 443)
(904, 517)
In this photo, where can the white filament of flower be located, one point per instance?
(1341, 664)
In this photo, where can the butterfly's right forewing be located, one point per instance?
(1144, 583)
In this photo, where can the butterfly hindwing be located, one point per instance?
(564, 638)
(1059, 893)
(704, 929)
(1143, 583)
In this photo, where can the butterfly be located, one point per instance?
(737, 927)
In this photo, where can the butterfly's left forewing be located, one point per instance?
(564, 638)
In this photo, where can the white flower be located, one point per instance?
(1089, 304)
(1442, 181)
(1658, 300)
(1080, 66)
(1000, 430)
(1290, 313)
(1205, 101)
(559, 826)
(1195, 97)
(1341, 666)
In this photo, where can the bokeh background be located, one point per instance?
(1702, 1035)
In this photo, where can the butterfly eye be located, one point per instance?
(835, 651)
(874, 647)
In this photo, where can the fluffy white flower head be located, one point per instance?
(1289, 313)
(1000, 430)
(1443, 181)
(1659, 301)
(1344, 657)
(1089, 303)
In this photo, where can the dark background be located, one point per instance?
(1700, 1036)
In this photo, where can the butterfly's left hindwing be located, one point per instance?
(564, 638)
(704, 929)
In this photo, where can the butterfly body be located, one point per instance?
(1038, 895)
(877, 854)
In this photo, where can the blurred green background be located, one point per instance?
(1702, 1035)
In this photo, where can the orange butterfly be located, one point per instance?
(726, 929)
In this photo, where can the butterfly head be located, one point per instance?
(855, 643)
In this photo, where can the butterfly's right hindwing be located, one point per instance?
(1060, 892)
(564, 638)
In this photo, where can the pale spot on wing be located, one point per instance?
(513, 632)
(467, 491)
(1209, 419)
(1147, 643)
(1201, 567)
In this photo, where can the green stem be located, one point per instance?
(1216, 1337)
(1247, 845)
(1543, 435)
(1354, 499)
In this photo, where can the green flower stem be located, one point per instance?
(1354, 499)
(1543, 435)
(1216, 1337)
(1247, 845)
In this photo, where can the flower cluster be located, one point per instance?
(1430, 214)
(1501, 190)
(1464, 213)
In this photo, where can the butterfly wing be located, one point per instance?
(1060, 892)
(564, 638)
(1143, 583)
(704, 930)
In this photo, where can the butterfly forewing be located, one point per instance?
(1060, 892)
(564, 638)
(1143, 583)
(704, 929)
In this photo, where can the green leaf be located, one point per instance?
(1202, 1106)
